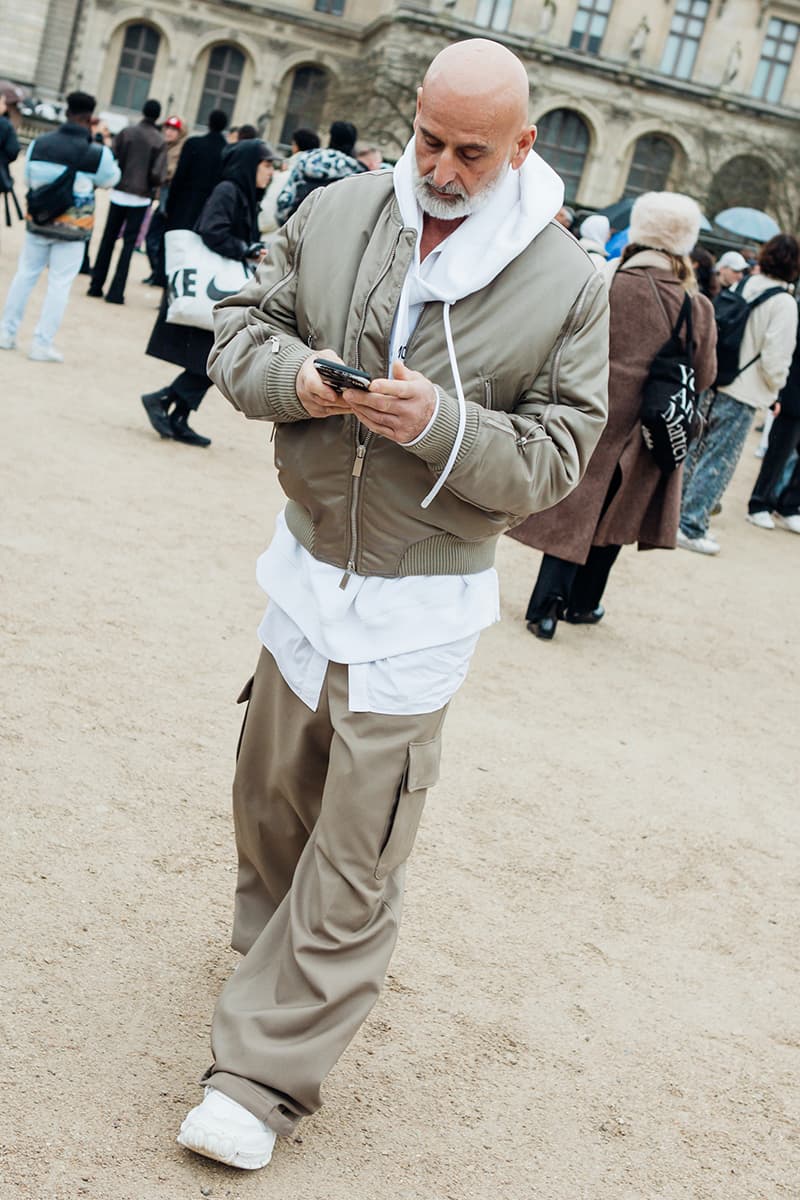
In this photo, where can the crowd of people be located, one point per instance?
(448, 420)
(229, 188)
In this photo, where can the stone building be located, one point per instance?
(701, 95)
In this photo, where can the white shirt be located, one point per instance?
(128, 199)
(407, 641)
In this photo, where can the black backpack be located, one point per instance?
(50, 200)
(669, 399)
(732, 312)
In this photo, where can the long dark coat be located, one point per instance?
(228, 226)
(197, 174)
(646, 505)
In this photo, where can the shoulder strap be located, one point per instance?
(684, 317)
(765, 295)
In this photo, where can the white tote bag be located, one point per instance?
(198, 278)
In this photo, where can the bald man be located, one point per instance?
(478, 332)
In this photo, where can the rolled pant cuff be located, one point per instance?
(257, 1100)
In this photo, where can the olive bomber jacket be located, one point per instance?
(532, 351)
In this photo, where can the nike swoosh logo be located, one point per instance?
(213, 292)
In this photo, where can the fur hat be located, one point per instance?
(665, 221)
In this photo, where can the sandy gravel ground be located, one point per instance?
(595, 996)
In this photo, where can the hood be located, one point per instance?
(239, 166)
(483, 245)
(474, 253)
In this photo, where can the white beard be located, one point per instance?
(452, 210)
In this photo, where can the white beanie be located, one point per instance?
(665, 221)
(596, 228)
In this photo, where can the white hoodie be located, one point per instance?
(472, 256)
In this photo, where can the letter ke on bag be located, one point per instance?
(198, 278)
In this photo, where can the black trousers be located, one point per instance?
(784, 437)
(155, 247)
(118, 215)
(188, 391)
(570, 586)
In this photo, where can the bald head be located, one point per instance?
(471, 126)
(480, 73)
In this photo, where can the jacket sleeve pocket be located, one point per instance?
(421, 772)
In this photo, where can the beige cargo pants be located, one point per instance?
(326, 808)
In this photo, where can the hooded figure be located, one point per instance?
(228, 226)
(228, 223)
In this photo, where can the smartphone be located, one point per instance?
(338, 376)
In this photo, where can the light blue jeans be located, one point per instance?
(711, 462)
(63, 260)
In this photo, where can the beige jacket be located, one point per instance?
(532, 350)
(771, 330)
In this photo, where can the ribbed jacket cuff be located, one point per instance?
(281, 382)
(434, 448)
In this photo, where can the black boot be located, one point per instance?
(156, 405)
(545, 626)
(590, 617)
(179, 427)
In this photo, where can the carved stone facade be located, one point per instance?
(701, 95)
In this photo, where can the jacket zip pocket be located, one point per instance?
(381, 275)
(577, 313)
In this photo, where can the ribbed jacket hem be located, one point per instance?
(434, 448)
(442, 554)
(282, 376)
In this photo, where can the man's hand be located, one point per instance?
(398, 408)
(316, 397)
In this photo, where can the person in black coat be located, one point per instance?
(228, 225)
(9, 149)
(768, 495)
(197, 173)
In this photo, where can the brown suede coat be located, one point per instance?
(646, 506)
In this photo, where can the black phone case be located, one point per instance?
(340, 377)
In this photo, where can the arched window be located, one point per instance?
(743, 181)
(221, 87)
(306, 101)
(651, 165)
(136, 62)
(563, 141)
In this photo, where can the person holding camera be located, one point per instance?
(466, 339)
(228, 225)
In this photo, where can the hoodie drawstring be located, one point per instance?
(462, 410)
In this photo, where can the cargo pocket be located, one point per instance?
(422, 772)
(242, 698)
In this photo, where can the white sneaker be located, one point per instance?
(40, 353)
(701, 545)
(7, 340)
(791, 523)
(762, 519)
(224, 1130)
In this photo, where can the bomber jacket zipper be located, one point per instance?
(362, 447)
